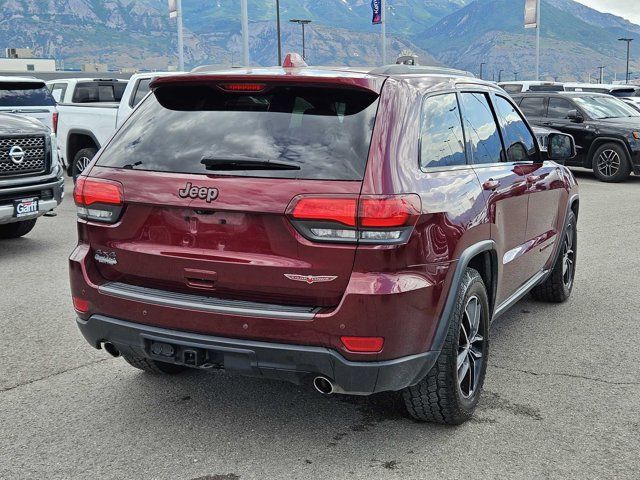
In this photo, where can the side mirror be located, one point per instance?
(560, 147)
(575, 116)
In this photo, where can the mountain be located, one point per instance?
(461, 33)
(575, 40)
(138, 33)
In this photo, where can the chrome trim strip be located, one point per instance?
(203, 303)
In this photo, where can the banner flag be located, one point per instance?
(173, 8)
(531, 14)
(376, 6)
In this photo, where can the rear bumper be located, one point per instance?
(54, 189)
(293, 363)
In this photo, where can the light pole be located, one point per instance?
(482, 69)
(303, 23)
(515, 76)
(601, 75)
(278, 29)
(628, 40)
(500, 75)
(245, 32)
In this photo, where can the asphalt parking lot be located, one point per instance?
(561, 400)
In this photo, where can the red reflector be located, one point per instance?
(363, 344)
(80, 305)
(341, 210)
(92, 190)
(243, 87)
(54, 122)
(388, 212)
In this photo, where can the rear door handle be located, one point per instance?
(491, 184)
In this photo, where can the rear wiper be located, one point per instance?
(246, 163)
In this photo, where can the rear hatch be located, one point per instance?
(29, 99)
(210, 169)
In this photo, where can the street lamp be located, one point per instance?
(515, 76)
(482, 69)
(601, 74)
(303, 23)
(628, 40)
(278, 30)
(500, 75)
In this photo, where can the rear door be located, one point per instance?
(206, 212)
(28, 99)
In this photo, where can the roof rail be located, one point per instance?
(418, 70)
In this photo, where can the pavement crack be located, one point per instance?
(55, 374)
(567, 375)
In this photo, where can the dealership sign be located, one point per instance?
(531, 13)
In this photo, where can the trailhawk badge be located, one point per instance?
(310, 278)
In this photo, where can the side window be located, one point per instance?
(514, 88)
(141, 91)
(118, 90)
(559, 108)
(533, 106)
(519, 142)
(58, 90)
(442, 138)
(483, 137)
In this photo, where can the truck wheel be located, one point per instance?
(610, 163)
(81, 161)
(451, 390)
(153, 366)
(558, 285)
(18, 229)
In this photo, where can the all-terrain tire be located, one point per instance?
(17, 229)
(439, 397)
(559, 284)
(153, 366)
(611, 163)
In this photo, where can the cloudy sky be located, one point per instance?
(629, 9)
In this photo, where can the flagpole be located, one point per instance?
(538, 42)
(245, 32)
(180, 36)
(383, 6)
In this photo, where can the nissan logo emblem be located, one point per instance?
(16, 154)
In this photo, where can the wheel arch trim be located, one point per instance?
(80, 132)
(600, 141)
(462, 264)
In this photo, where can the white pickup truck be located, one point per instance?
(90, 111)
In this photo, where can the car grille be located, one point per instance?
(35, 156)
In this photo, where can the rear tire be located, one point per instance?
(81, 160)
(451, 390)
(153, 366)
(559, 284)
(17, 229)
(611, 164)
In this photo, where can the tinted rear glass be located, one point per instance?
(326, 132)
(546, 88)
(25, 94)
(96, 91)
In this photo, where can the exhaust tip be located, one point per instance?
(323, 385)
(111, 349)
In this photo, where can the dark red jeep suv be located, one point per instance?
(354, 230)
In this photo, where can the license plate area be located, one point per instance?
(25, 207)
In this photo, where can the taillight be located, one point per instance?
(98, 200)
(54, 122)
(80, 305)
(348, 219)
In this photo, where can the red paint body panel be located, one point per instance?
(241, 245)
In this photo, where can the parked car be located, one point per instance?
(90, 111)
(28, 97)
(531, 86)
(609, 89)
(31, 182)
(606, 130)
(634, 102)
(354, 230)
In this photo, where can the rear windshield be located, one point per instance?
(25, 94)
(322, 133)
(97, 92)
